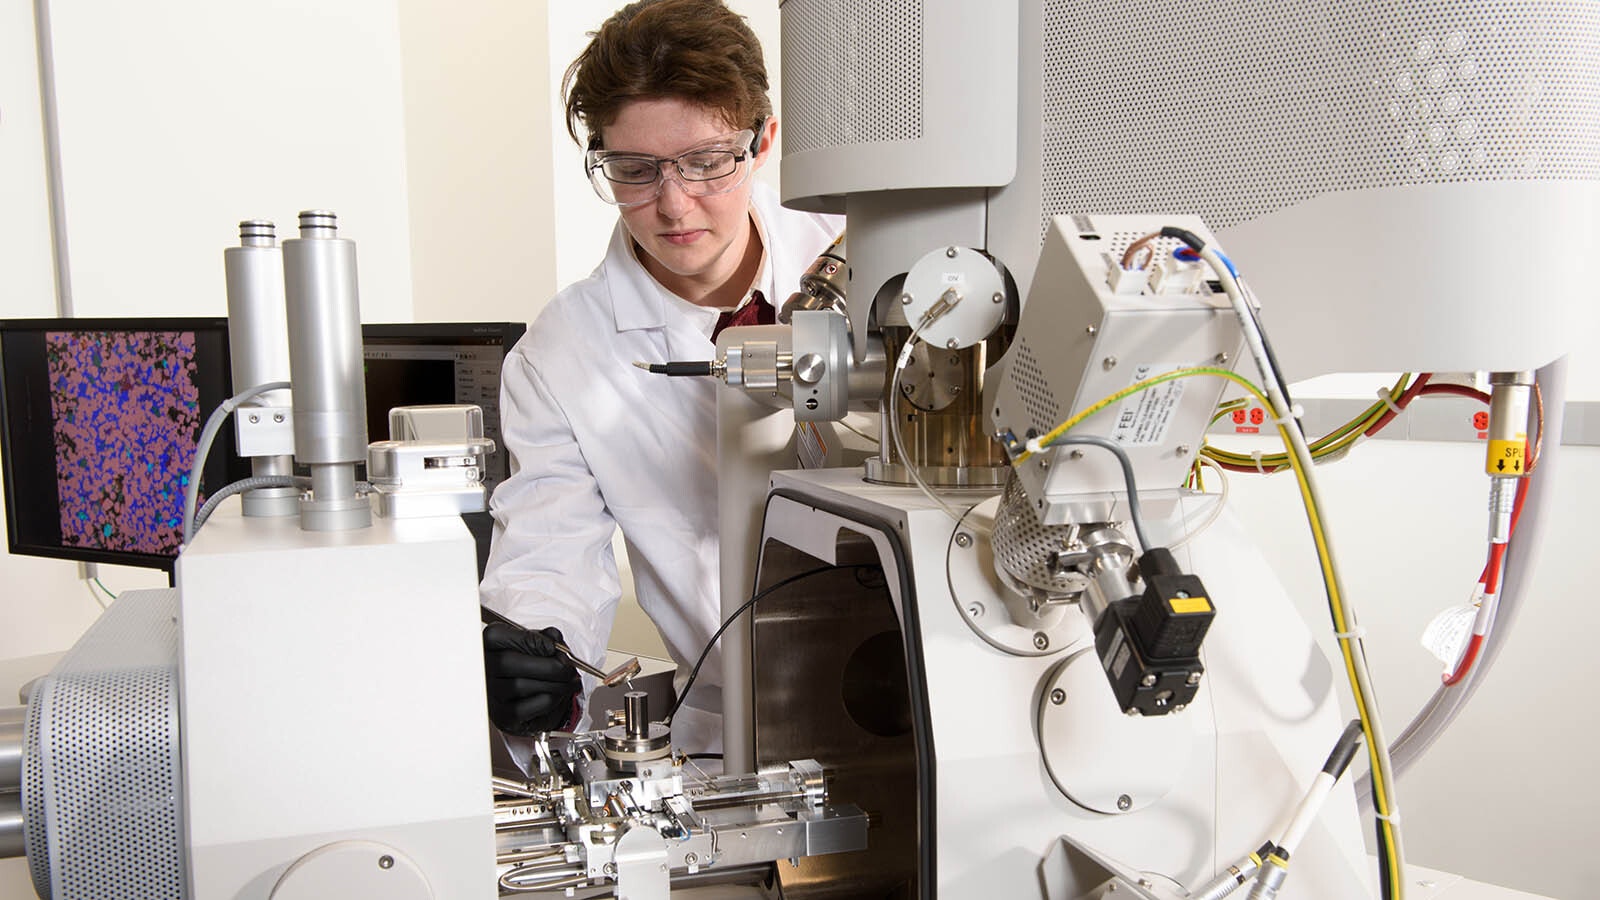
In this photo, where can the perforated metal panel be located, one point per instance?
(860, 63)
(101, 781)
(1043, 410)
(1234, 110)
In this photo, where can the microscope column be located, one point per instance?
(330, 417)
(258, 342)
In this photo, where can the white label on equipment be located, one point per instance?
(1144, 417)
(1447, 635)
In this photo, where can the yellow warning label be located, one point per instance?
(1182, 605)
(1507, 457)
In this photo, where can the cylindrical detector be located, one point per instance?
(258, 328)
(324, 326)
(636, 716)
(1510, 396)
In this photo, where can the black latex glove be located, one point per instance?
(531, 685)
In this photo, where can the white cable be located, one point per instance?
(1216, 510)
(191, 491)
(1379, 748)
(894, 419)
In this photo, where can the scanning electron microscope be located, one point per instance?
(1012, 634)
(1001, 658)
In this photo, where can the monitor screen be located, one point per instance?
(99, 420)
(416, 364)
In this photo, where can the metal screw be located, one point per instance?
(998, 297)
(690, 859)
(1180, 707)
(385, 862)
(1044, 462)
(963, 539)
(1148, 681)
(1058, 696)
(1221, 359)
(975, 610)
(1183, 449)
(1124, 803)
(254, 418)
(1146, 883)
(905, 299)
(952, 344)
(609, 868)
(1076, 454)
(277, 417)
(950, 252)
(1109, 363)
(1182, 594)
(1041, 641)
(906, 389)
(955, 389)
(1194, 677)
(1091, 331)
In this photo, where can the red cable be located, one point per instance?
(1458, 390)
(1492, 571)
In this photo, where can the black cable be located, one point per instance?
(701, 368)
(1134, 512)
(1344, 750)
(731, 619)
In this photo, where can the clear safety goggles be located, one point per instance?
(632, 179)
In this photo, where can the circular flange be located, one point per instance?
(1101, 759)
(958, 272)
(994, 611)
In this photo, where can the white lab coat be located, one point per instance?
(597, 443)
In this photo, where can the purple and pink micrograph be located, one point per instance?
(127, 417)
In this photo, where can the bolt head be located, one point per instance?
(385, 862)
(1194, 678)
(963, 540)
(1221, 359)
(1124, 803)
(1058, 696)
(975, 610)
(1091, 331)
(1041, 641)
(1148, 681)
(905, 299)
(952, 344)
(1109, 363)
(278, 417)
(950, 252)
(254, 418)
(1076, 454)
(998, 297)
(1183, 449)
(691, 858)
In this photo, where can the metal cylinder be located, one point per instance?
(330, 418)
(324, 326)
(636, 714)
(13, 827)
(258, 345)
(12, 719)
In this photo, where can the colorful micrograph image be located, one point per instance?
(127, 418)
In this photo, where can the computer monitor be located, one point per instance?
(99, 419)
(413, 364)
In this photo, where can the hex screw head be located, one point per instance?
(998, 297)
(1058, 696)
(1221, 359)
(1148, 681)
(1194, 678)
(1109, 363)
(963, 539)
(1041, 641)
(385, 862)
(905, 299)
(1124, 803)
(950, 252)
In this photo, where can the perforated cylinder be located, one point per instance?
(324, 321)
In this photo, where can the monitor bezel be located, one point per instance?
(9, 475)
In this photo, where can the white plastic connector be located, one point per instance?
(1124, 282)
(1174, 276)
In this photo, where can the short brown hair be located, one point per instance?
(698, 51)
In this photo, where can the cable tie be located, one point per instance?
(1392, 818)
(1034, 446)
(1296, 411)
(1383, 394)
(1255, 455)
(1356, 633)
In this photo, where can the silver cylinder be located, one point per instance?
(324, 318)
(636, 714)
(13, 827)
(11, 725)
(258, 345)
